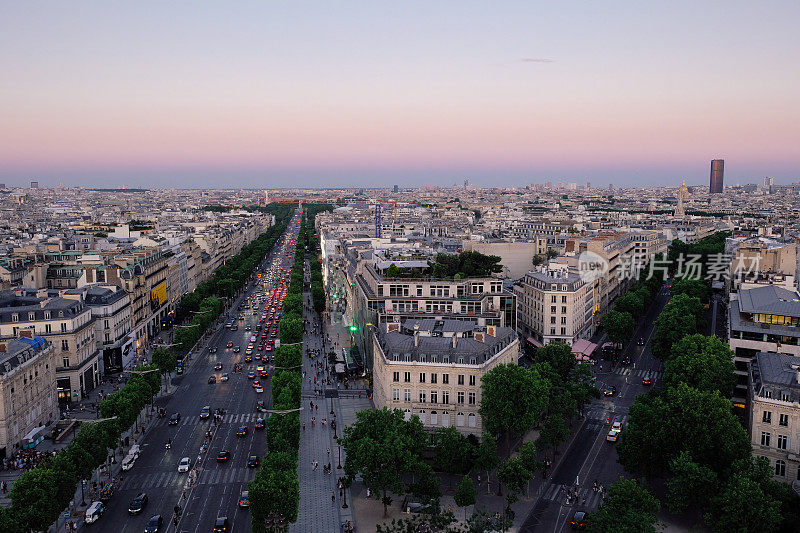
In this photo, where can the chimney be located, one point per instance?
(455, 340)
(3, 347)
(26, 333)
(416, 336)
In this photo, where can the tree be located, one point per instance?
(513, 399)
(453, 452)
(32, 499)
(744, 506)
(691, 485)
(382, 447)
(709, 431)
(513, 474)
(530, 456)
(559, 356)
(465, 494)
(486, 457)
(705, 363)
(683, 315)
(551, 253)
(619, 326)
(694, 288)
(291, 329)
(628, 508)
(275, 491)
(392, 272)
(537, 260)
(554, 431)
(632, 303)
(165, 360)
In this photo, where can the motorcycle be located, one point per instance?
(168, 445)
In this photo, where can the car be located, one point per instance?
(218, 366)
(244, 499)
(264, 374)
(221, 525)
(138, 503)
(212, 379)
(256, 383)
(259, 390)
(253, 338)
(640, 342)
(577, 520)
(234, 328)
(229, 345)
(237, 349)
(259, 423)
(205, 412)
(184, 464)
(224, 377)
(154, 524)
(223, 456)
(252, 461)
(610, 390)
(261, 406)
(251, 375)
(626, 360)
(242, 431)
(247, 327)
(646, 381)
(248, 351)
(213, 349)
(248, 359)
(617, 425)
(174, 419)
(612, 435)
(94, 512)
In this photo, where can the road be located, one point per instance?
(591, 457)
(217, 491)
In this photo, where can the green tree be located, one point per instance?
(291, 329)
(275, 491)
(691, 485)
(537, 260)
(709, 431)
(551, 253)
(165, 360)
(619, 326)
(513, 399)
(683, 315)
(530, 456)
(559, 356)
(702, 362)
(392, 272)
(745, 504)
(453, 451)
(628, 508)
(382, 447)
(513, 474)
(694, 288)
(554, 431)
(465, 494)
(32, 498)
(486, 457)
(632, 303)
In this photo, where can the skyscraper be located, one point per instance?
(717, 171)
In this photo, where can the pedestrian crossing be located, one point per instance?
(587, 497)
(235, 418)
(209, 476)
(603, 415)
(631, 372)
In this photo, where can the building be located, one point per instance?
(554, 305)
(762, 319)
(775, 412)
(27, 396)
(717, 173)
(433, 369)
(111, 309)
(34, 185)
(67, 323)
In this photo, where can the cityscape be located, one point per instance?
(451, 267)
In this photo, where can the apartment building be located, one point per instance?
(554, 305)
(775, 412)
(67, 323)
(762, 319)
(111, 309)
(27, 396)
(433, 369)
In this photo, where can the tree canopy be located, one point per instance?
(705, 363)
(628, 508)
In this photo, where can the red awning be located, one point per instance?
(534, 342)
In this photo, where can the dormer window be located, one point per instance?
(31, 316)
(14, 317)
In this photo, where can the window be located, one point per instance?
(767, 417)
(765, 438)
(471, 420)
(563, 320)
(48, 328)
(785, 396)
(783, 420)
(553, 300)
(434, 418)
(459, 419)
(64, 345)
(552, 320)
(461, 379)
(395, 376)
(421, 416)
(422, 396)
(433, 377)
(780, 468)
(422, 377)
(407, 377)
(553, 309)
(552, 331)
(460, 397)
(445, 397)
(563, 331)
(472, 398)
(63, 326)
(14, 317)
(31, 316)
(396, 395)
(460, 360)
(783, 441)
(407, 395)
(564, 309)
(446, 359)
(434, 396)
(473, 361)
(472, 381)
(446, 379)
(65, 361)
(564, 298)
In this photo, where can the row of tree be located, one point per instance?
(312, 241)
(275, 490)
(40, 494)
(619, 322)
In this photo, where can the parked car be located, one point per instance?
(212, 379)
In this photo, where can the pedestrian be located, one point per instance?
(329, 453)
(333, 497)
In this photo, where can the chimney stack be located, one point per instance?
(3, 347)
(416, 337)
(455, 341)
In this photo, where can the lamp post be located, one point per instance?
(83, 498)
(339, 446)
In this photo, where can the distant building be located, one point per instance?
(768, 181)
(717, 172)
(34, 185)
(395, 189)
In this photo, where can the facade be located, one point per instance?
(717, 173)
(775, 412)
(554, 305)
(27, 396)
(433, 369)
(111, 309)
(762, 319)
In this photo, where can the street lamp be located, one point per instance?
(83, 498)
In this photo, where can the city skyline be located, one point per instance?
(432, 94)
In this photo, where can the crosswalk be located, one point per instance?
(587, 497)
(208, 476)
(631, 372)
(604, 416)
(234, 418)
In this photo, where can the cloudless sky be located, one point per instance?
(373, 93)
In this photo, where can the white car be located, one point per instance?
(94, 512)
(612, 435)
(183, 466)
(259, 390)
(224, 377)
(617, 426)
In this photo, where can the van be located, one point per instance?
(94, 512)
(128, 462)
(135, 450)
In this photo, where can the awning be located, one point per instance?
(534, 342)
(583, 347)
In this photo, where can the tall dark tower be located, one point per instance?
(717, 171)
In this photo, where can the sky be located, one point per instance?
(376, 93)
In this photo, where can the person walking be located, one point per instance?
(333, 497)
